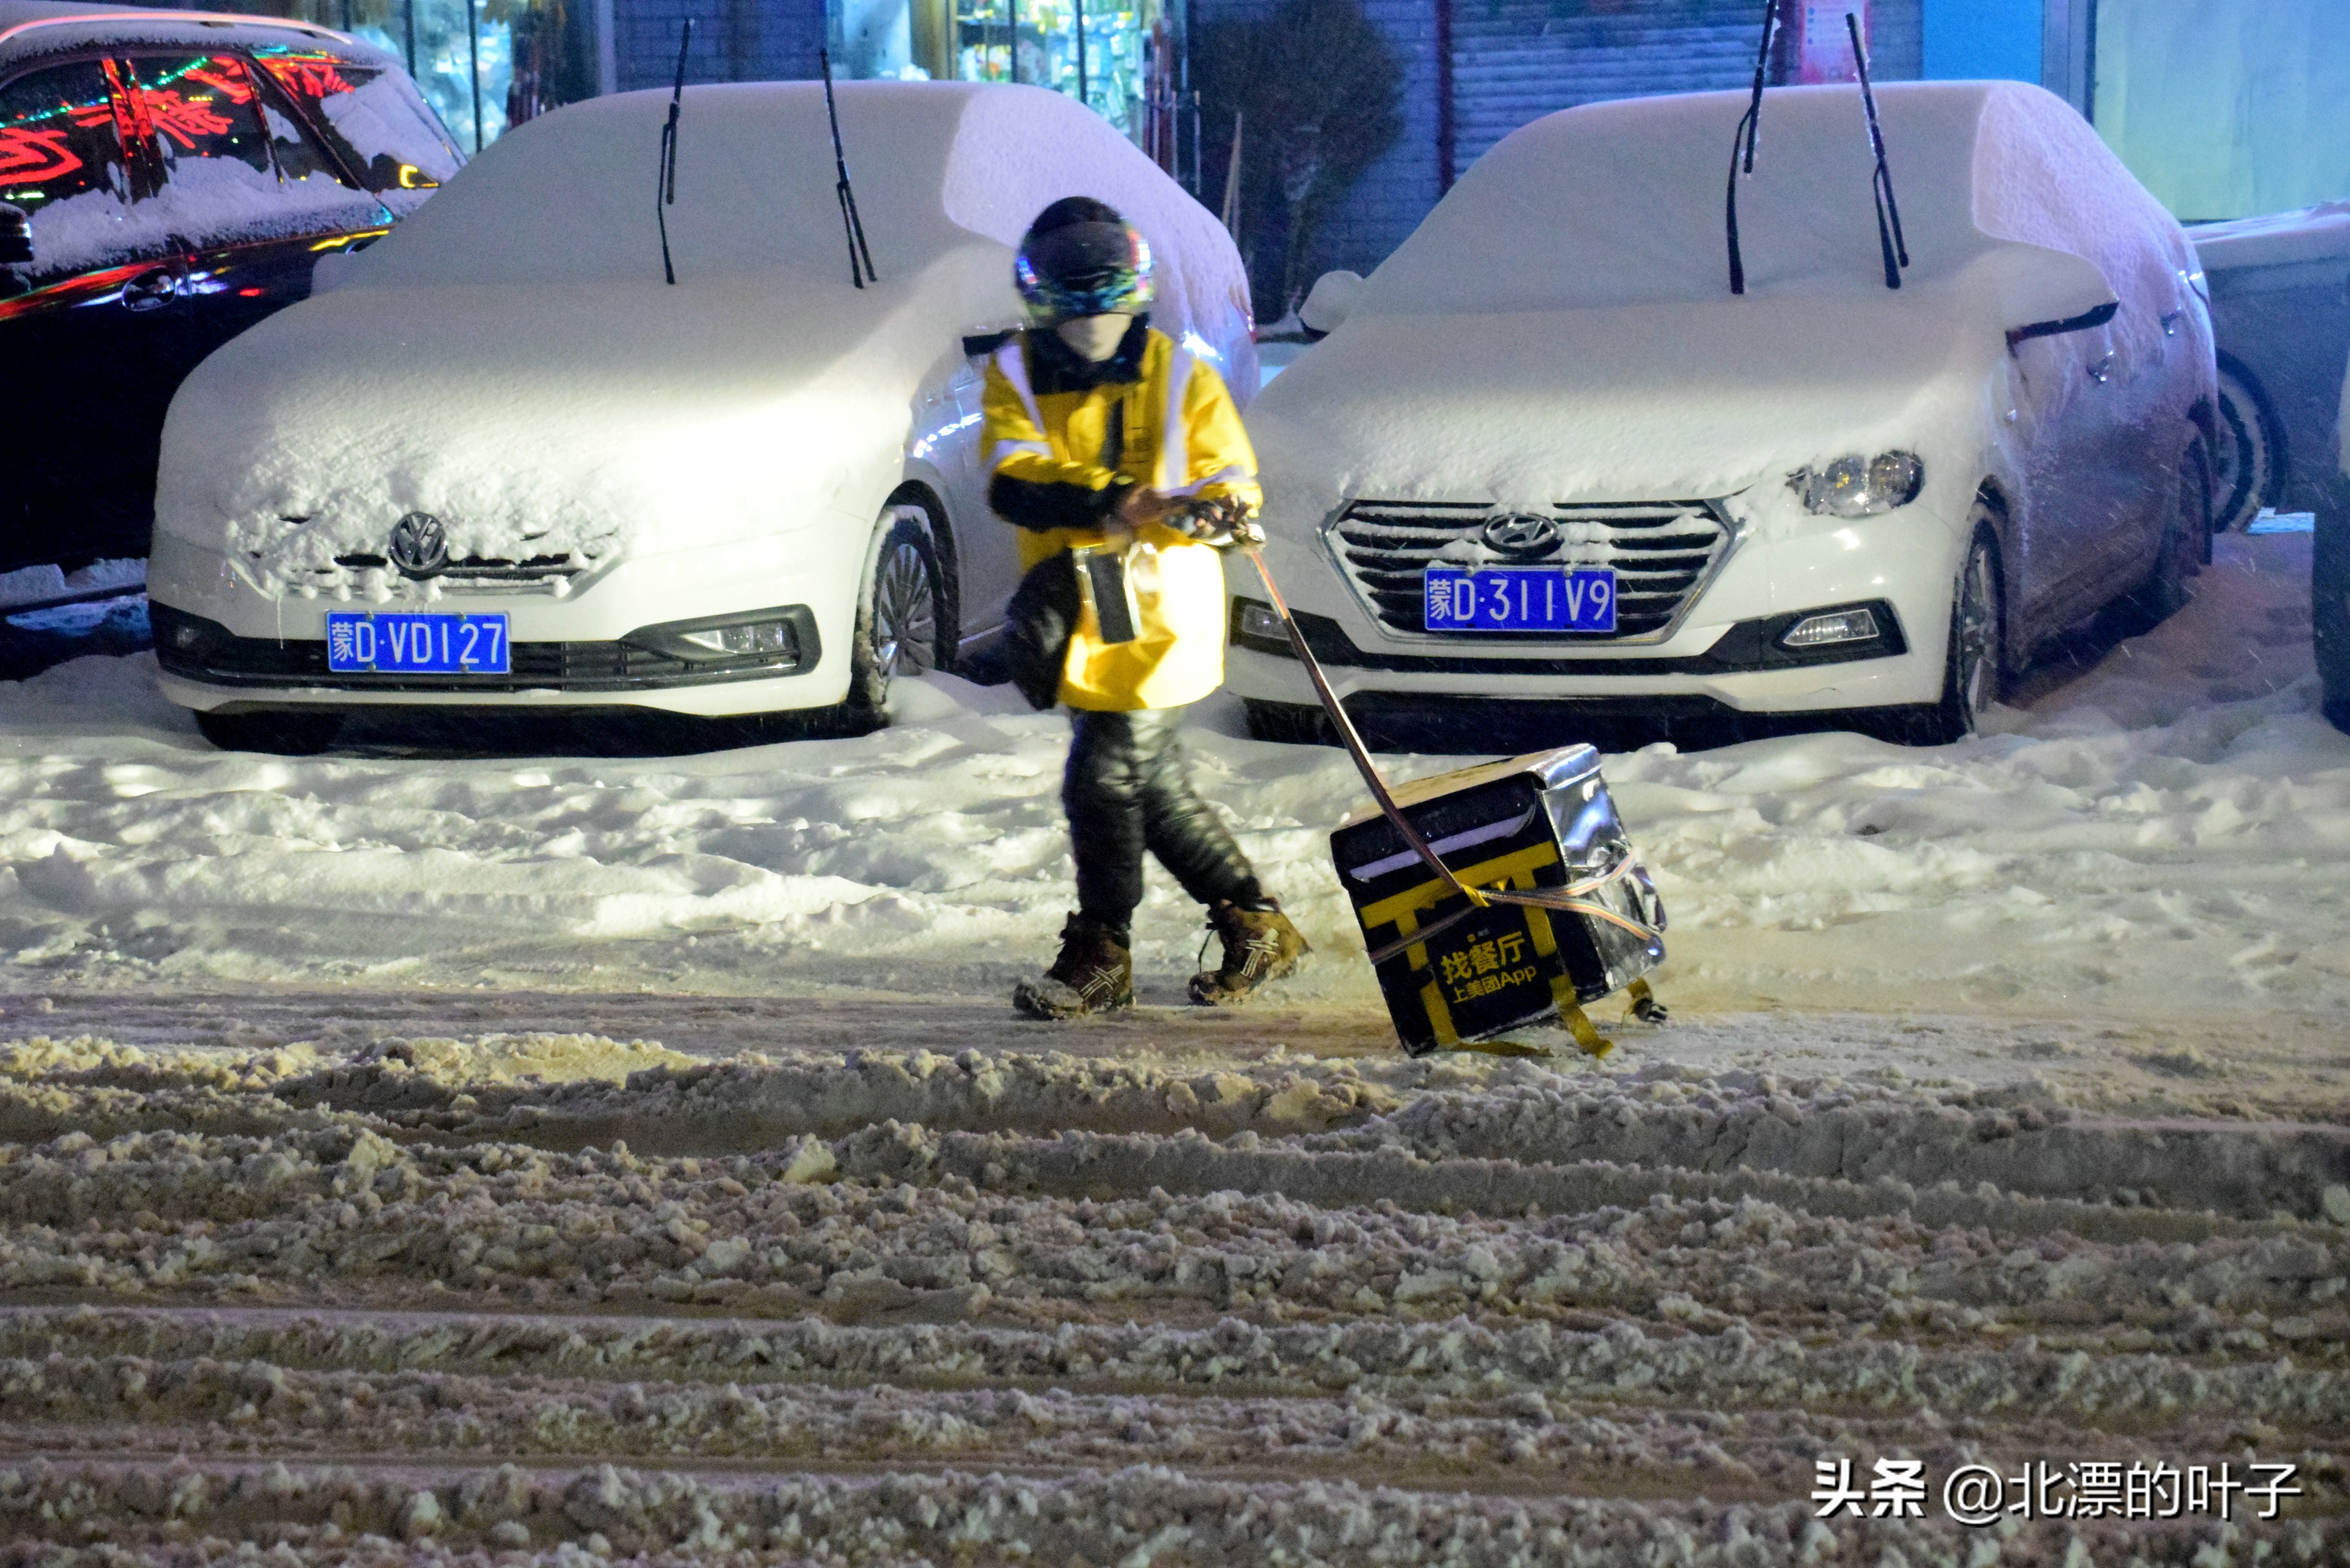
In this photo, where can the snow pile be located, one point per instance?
(31, 586)
(510, 360)
(223, 201)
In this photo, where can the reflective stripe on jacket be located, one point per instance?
(1182, 435)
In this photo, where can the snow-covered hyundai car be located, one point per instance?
(1550, 457)
(500, 460)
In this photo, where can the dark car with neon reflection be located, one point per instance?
(168, 179)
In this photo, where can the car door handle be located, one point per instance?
(151, 289)
(2102, 370)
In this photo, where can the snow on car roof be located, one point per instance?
(569, 196)
(2274, 239)
(40, 27)
(1621, 203)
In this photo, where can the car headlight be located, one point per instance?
(785, 637)
(1858, 486)
(736, 641)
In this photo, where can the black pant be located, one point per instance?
(1127, 789)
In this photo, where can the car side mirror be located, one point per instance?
(2081, 323)
(15, 236)
(1330, 301)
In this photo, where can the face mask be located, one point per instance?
(1093, 337)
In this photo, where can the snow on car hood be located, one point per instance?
(538, 424)
(510, 360)
(1632, 403)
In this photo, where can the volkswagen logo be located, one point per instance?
(420, 546)
(1521, 534)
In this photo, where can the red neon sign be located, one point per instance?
(226, 77)
(29, 157)
(180, 118)
(312, 78)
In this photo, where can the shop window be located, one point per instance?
(1099, 51)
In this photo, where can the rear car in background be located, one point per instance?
(2329, 583)
(1549, 460)
(2280, 292)
(166, 180)
(499, 461)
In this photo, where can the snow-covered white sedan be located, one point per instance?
(500, 460)
(1549, 458)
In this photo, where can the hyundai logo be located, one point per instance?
(1521, 534)
(420, 546)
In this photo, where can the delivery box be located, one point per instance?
(1454, 973)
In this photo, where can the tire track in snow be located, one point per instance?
(799, 1306)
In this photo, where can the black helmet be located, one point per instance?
(1080, 258)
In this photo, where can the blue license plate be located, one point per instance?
(1521, 598)
(361, 643)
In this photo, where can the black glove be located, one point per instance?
(1223, 525)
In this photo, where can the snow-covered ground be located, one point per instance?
(2160, 834)
(408, 1155)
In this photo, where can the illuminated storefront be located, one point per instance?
(1117, 55)
(483, 65)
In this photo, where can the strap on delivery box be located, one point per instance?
(1570, 899)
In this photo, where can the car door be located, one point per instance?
(249, 197)
(93, 326)
(2059, 379)
(2141, 440)
(991, 547)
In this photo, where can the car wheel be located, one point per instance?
(1974, 668)
(2186, 534)
(2329, 588)
(284, 734)
(1287, 722)
(902, 624)
(2251, 450)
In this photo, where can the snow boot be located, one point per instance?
(1260, 946)
(1094, 973)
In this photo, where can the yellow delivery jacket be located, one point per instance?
(1182, 436)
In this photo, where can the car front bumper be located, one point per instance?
(224, 645)
(1723, 654)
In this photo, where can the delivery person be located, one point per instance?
(1102, 432)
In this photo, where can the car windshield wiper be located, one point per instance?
(665, 189)
(1742, 148)
(1880, 184)
(861, 260)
